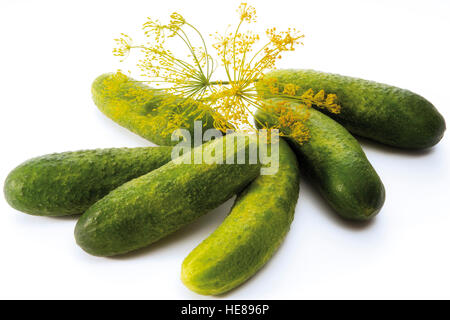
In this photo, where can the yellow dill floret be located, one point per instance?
(124, 45)
(290, 89)
(321, 100)
(291, 123)
(246, 12)
(309, 98)
(284, 40)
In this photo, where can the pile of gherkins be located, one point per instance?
(129, 198)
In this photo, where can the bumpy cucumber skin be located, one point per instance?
(152, 206)
(337, 165)
(387, 114)
(248, 237)
(138, 117)
(69, 183)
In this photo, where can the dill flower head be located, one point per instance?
(246, 13)
(124, 45)
(232, 100)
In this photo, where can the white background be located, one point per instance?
(50, 51)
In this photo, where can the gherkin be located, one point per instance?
(150, 113)
(387, 114)
(70, 182)
(335, 162)
(148, 208)
(250, 234)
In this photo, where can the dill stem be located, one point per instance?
(214, 83)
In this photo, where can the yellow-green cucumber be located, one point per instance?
(144, 110)
(249, 236)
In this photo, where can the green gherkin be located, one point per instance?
(154, 205)
(69, 183)
(336, 163)
(387, 114)
(251, 233)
